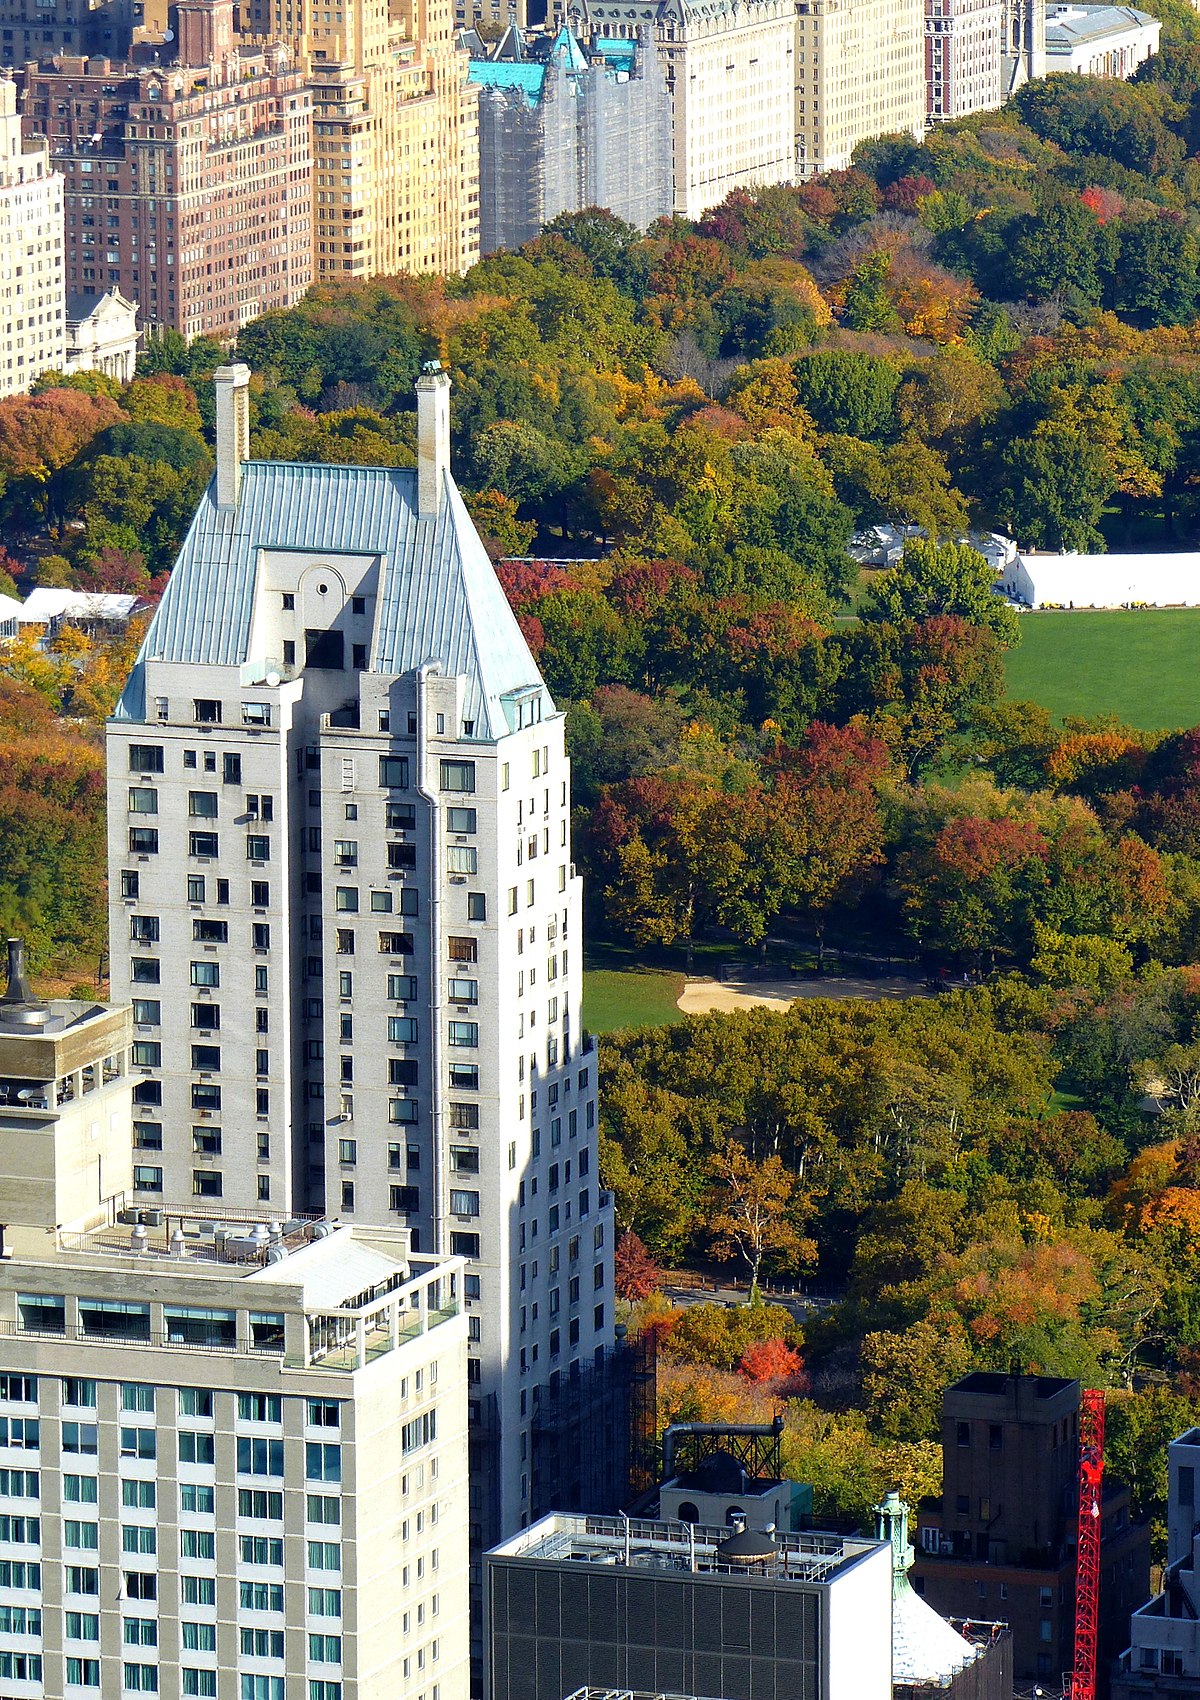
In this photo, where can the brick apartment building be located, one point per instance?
(189, 187)
(1000, 1543)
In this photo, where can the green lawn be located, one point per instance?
(1143, 665)
(629, 997)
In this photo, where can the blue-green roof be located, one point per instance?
(505, 74)
(617, 52)
(439, 598)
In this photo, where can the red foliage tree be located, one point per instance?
(635, 1273)
(776, 1364)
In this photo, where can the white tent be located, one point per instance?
(1103, 581)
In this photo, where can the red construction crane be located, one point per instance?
(1081, 1684)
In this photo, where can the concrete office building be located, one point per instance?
(565, 125)
(860, 73)
(635, 1603)
(729, 69)
(344, 907)
(33, 326)
(232, 1449)
(188, 189)
(1000, 1543)
(1162, 1658)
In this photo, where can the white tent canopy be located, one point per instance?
(1103, 581)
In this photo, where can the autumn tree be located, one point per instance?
(752, 1204)
(635, 1273)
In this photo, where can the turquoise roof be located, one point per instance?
(506, 74)
(439, 598)
(567, 49)
(617, 52)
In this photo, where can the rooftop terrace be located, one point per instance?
(645, 1544)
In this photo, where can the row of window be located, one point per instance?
(112, 1319)
(147, 929)
(197, 888)
(143, 841)
(85, 1673)
(146, 971)
(456, 776)
(202, 805)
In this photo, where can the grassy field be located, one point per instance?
(629, 997)
(1143, 665)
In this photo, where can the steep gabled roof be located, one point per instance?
(438, 599)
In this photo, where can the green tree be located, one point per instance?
(942, 578)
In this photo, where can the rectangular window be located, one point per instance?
(258, 847)
(322, 1461)
(210, 932)
(463, 949)
(257, 1502)
(464, 1203)
(402, 1112)
(464, 1077)
(261, 1596)
(199, 1682)
(464, 1116)
(195, 1448)
(464, 1159)
(460, 820)
(82, 1626)
(463, 859)
(198, 1499)
(322, 1508)
(143, 800)
(259, 1457)
(464, 1245)
(463, 991)
(402, 1030)
(143, 841)
(464, 1033)
(401, 988)
(393, 773)
(195, 1402)
(145, 758)
(458, 776)
(203, 844)
(202, 805)
(261, 1549)
(81, 1490)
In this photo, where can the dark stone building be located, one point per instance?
(1000, 1543)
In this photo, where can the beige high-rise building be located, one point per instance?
(233, 1457)
(860, 73)
(33, 319)
(396, 133)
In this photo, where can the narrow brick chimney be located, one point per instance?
(233, 430)
(433, 439)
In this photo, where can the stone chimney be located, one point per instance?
(233, 430)
(433, 439)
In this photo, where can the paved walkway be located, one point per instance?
(704, 996)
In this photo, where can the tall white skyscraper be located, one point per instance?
(33, 323)
(344, 907)
(233, 1455)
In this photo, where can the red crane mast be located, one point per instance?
(1081, 1684)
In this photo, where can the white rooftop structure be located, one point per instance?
(1104, 581)
(1099, 41)
(42, 607)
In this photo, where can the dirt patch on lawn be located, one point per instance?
(702, 996)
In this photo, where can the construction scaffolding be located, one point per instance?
(564, 126)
